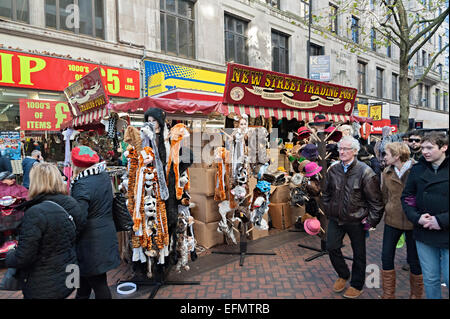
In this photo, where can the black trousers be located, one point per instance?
(391, 236)
(335, 236)
(97, 283)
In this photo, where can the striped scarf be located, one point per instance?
(93, 170)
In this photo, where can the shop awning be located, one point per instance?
(360, 119)
(87, 118)
(170, 106)
(255, 111)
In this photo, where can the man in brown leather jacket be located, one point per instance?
(353, 202)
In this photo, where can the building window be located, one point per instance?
(373, 39)
(280, 52)
(355, 29)
(274, 3)
(427, 96)
(362, 77)
(236, 40)
(316, 49)
(177, 28)
(445, 96)
(304, 9)
(380, 82)
(439, 70)
(424, 58)
(437, 103)
(17, 10)
(389, 50)
(440, 42)
(333, 18)
(394, 87)
(78, 16)
(419, 94)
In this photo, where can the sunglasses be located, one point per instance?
(417, 140)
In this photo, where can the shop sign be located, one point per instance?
(161, 77)
(10, 144)
(377, 126)
(320, 68)
(30, 71)
(363, 110)
(376, 111)
(256, 87)
(42, 115)
(87, 94)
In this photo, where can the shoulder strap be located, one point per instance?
(68, 215)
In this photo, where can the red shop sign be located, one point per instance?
(256, 87)
(30, 71)
(40, 115)
(377, 126)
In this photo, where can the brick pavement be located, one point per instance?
(284, 276)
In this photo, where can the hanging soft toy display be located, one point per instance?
(225, 225)
(260, 205)
(177, 134)
(222, 157)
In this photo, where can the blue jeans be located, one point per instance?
(434, 263)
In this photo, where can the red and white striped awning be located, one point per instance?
(88, 118)
(307, 116)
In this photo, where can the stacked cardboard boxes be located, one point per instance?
(206, 211)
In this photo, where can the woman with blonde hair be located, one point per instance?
(393, 180)
(47, 236)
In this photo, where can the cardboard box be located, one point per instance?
(206, 209)
(203, 180)
(258, 233)
(297, 211)
(207, 235)
(280, 214)
(279, 194)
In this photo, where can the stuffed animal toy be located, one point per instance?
(177, 134)
(133, 137)
(225, 226)
(222, 157)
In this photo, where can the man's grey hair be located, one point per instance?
(35, 153)
(354, 142)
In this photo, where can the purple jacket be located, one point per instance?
(13, 190)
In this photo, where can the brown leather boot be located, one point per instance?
(388, 280)
(416, 286)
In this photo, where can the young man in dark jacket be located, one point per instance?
(425, 202)
(353, 203)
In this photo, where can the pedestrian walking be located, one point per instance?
(353, 202)
(27, 164)
(46, 236)
(425, 202)
(393, 181)
(97, 247)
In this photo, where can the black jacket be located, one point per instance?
(350, 197)
(97, 247)
(46, 247)
(430, 191)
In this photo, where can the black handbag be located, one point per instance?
(11, 281)
(121, 215)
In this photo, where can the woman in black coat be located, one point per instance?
(97, 247)
(47, 236)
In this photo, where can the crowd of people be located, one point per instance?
(404, 179)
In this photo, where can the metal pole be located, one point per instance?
(308, 53)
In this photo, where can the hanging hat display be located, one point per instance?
(312, 226)
(336, 135)
(310, 152)
(312, 169)
(320, 119)
(303, 132)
